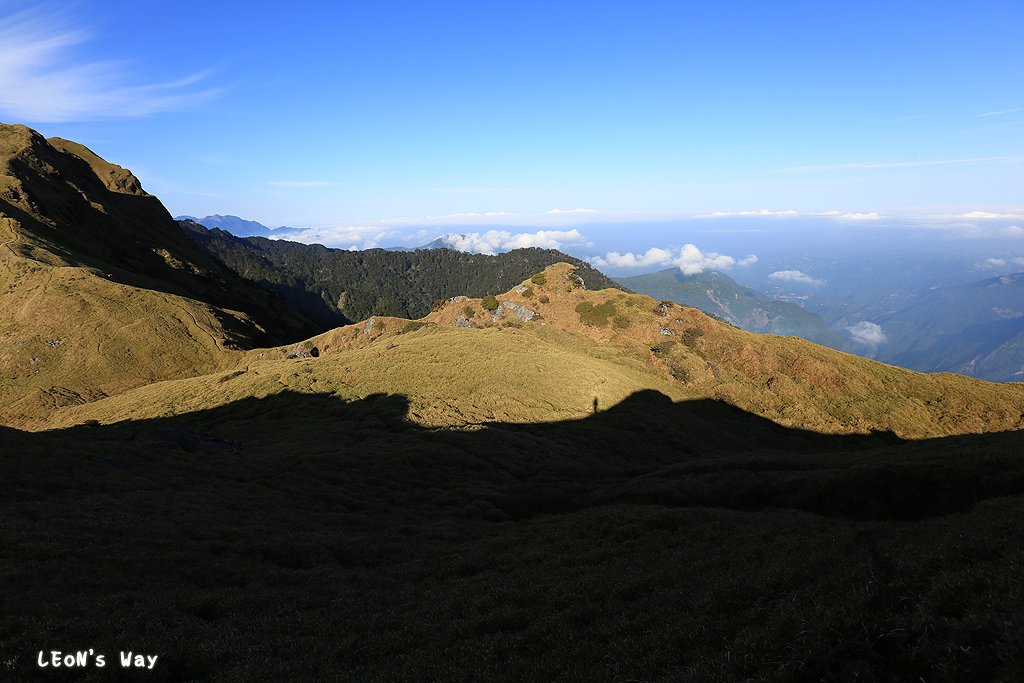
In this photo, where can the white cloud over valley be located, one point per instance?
(796, 276)
(345, 237)
(867, 333)
(689, 259)
(495, 241)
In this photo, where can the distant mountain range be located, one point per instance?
(717, 293)
(240, 227)
(976, 329)
(337, 286)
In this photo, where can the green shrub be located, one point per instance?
(543, 298)
(691, 335)
(490, 303)
(469, 311)
(585, 307)
(662, 348)
(528, 292)
(596, 316)
(539, 279)
(679, 373)
(411, 326)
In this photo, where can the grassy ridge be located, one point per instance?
(719, 294)
(553, 366)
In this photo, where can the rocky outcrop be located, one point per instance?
(521, 312)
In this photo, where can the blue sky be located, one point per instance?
(390, 121)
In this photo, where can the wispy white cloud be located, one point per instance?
(689, 259)
(1000, 113)
(995, 262)
(759, 212)
(796, 276)
(495, 241)
(851, 215)
(989, 215)
(791, 213)
(869, 165)
(570, 211)
(44, 78)
(867, 333)
(303, 183)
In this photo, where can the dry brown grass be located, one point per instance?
(554, 367)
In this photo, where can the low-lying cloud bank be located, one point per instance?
(1001, 262)
(495, 241)
(489, 242)
(796, 276)
(689, 259)
(792, 213)
(352, 237)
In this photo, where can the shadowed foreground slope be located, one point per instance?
(302, 536)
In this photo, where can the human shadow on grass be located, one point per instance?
(645, 450)
(227, 540)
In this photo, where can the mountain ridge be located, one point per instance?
(336, 286)
(579, 346)
(102, 291)
(718, 294)
(240, 227)
(975, 329)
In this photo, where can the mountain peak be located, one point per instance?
(239, 227)
(115, 178)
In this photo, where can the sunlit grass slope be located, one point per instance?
(548, 348)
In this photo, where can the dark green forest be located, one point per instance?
(334, 287)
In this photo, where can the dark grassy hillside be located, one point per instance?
(335, 286)
(720, 295)
(305, 537)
